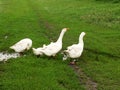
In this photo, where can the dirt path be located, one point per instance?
(42, 22)
(84, 79)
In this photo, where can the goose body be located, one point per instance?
(53, 48)
(22, 45)
(74, 51)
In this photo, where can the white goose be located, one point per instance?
(22, 45)
(53, 48)
(75, 50)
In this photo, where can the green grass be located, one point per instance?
(42, 21)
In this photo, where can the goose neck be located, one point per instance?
(81, 39)
(61, 36)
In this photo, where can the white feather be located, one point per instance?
(75, 50)
(53, 48)
(22, 45)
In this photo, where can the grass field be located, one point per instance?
(42, 21)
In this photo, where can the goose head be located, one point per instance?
(82, 34)
(62, 34)
(65, 29)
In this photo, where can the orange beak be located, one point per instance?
(67, 28)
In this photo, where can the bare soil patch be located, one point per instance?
(84, 79)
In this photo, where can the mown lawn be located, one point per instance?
(42, 21)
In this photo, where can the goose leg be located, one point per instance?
(73, 62)
(38, 56)
(50, 57)
(21, 53)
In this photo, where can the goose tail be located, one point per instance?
(11, 47)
